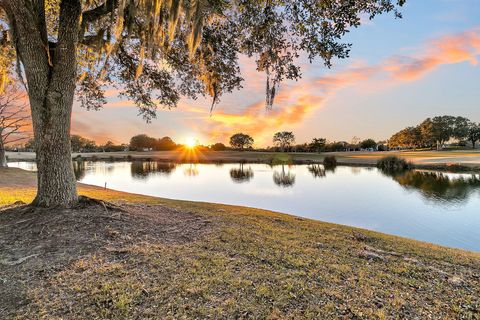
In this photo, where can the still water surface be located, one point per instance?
(437, 207)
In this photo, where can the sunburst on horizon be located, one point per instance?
(191, 142)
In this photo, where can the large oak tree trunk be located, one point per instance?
(56, 179)
(50, 69)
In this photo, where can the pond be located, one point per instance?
(431, 206)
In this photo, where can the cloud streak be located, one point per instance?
(452, 49)
(298, 101)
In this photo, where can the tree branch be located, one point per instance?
(98, 12)
(95, 14)
(17, 139)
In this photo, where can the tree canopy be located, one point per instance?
(368, 144)
(435, 131)
(241, 141)
(174, 48)
(154, 52)
(283, 139)
(81, 144)
(318, 144)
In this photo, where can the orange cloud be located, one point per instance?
(293, 104)
(297, 100)
(462, 47)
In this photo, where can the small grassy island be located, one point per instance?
(138, 257)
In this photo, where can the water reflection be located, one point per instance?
(191, 170)
(241, 174)
(320, 170)
(317, 171)
(283, 178)
(142, 169)
(438, 186)
(363, 197)
(356, 170)
(79, 169)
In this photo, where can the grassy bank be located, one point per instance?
(160, 258)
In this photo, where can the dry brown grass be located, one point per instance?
(244, 263)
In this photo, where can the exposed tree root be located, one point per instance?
(84, 202)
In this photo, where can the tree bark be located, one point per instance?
(51, 78)
(56, 178)
(52, 120)
(3, 158)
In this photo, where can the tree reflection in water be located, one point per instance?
(79, 169)
(317, 170)
(284, 179)
(241, 174)
(320, 170)
(191, 170)
(142, 169)
(437, 186)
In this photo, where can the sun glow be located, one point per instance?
(191, 143)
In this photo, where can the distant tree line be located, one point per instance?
(81, 144)
(431, 133)
(435, 132)
(283, 141)
(143, 142)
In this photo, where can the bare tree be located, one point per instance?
(14, 119)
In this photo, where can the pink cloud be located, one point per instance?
(462, 47)
(297, 100)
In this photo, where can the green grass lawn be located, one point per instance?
(245, 263)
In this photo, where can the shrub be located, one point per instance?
(330, 162)
(393, 164)
(280, 159)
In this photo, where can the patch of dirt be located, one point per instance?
(36, 242)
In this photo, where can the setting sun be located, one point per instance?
(191, 142)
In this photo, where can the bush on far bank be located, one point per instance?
(330, 162)
(392, 163)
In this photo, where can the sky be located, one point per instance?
(400, 71)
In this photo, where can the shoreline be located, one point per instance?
(448, 161)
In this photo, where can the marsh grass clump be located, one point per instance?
(392, 164)
(330, 162)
